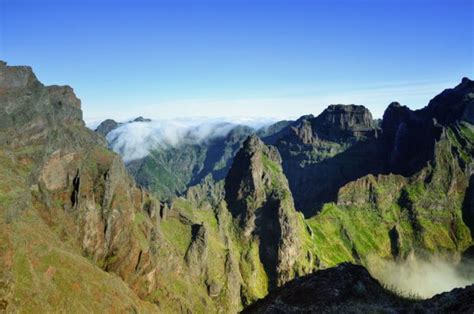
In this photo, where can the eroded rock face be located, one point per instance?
(468, 207)
(12, 78)
(427, 177)
(54, 173)
(259, 199)
(32, 114)
(410, 136)
(342, 121)
(452, 104)
(73, 192)
(321, 154)
(197, 253)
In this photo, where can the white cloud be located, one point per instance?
(136, 140)
(422, 277)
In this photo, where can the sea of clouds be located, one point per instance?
(135, 140)
(424, 277)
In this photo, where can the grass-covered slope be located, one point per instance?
(391, 215)
(43, 146)
(77, 232)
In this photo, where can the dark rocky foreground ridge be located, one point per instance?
(349, 288)
(77, 232)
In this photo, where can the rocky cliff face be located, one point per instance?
(423, 204)
(410, 136)
(258, 197)
(343, 122)
(321, 154)
(63, 196)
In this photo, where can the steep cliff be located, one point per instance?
(259, 199)
(321, 154)
(64, 196)
(424, 204)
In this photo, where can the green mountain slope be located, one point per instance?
(77, 231)
(50, 222)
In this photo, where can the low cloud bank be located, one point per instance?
(423, 278)
(135, 140)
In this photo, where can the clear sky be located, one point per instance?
(241, 58)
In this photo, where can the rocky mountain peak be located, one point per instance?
(106, 126)
(258, 196)
(16, 77)
(31, 109)
(336, 123)
(410, 135)
(453, 104)
(346, 117)
(63, 95)
(253, 143)
(141, 119)
(244, 186)
(394, 104)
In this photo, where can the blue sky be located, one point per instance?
(260, 58)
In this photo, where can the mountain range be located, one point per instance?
(216, 225)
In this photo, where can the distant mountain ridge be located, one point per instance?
(211, 160)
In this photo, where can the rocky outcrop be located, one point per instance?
(141, 119)
(453, 104)
(350, 288)
(106, 126)
(197, 252)
(259, 199)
